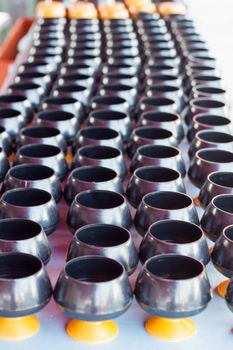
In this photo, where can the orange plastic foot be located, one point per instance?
(50, 9)
(18, 328)
(69, 156)
(92, 332)
(196, 201)
(222, 288)
(170, 329)
(171, 8)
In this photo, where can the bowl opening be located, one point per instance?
(108, 100)
(153, 101)
(103, 235)
(26, 197)
(40, 132)
(210, 90)
(160, 117)
(108, 115)
(94, 269)
(163, 77)
(55, 115)
(24, 86)
(70, 88)
(27, 172)
(153, 133)
(116, 87)
(204, 103)
(207, 78)
(167, 200)
(156, 151)
(39, 151)
(18, 229)
(176, 232)
(216, 156)
(32, 75)
(157, 174)
(98, 133)
(99, 199)
(224, 202)
(8, 113)
(16, 265)
(216, 137)
(163, 88)
(75, 76)
(59, 100)
(224, 179)
(174, 267)
(12, 98)
(94, 174)
(213, 120)
(99, 152)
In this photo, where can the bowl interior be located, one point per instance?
(15, 266)
(157, 174)
(93, 269)
(103, 235)
(167, 200)
(99, 199)
(99, 152)
(26, 197)
(156, 151)
(176, 232)
(27, 172)
(224, 179)
(18, 229)
(94, 174)
(174, 267)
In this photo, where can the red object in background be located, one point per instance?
(8, 51)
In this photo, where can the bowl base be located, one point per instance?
(18, 328)
(170, 329)
(92, 332)
(222, 288)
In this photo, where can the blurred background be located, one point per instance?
(213, 18)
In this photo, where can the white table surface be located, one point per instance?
(215, 324)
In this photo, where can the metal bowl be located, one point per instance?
(105, 240)
(105, 156)
(30, 203)
(42, 135)
(158, 155)
(149, 135)
(173, 286)
(33, 176)
(163, 120)
(206, 161)
(98, 206)
(67, 123)
(23, 271)
(163, 205)
(218, 182)
(83, 292)
(47, 155)
(111, 119)
(12, 121)
(221, 254)
(150, 179)
(210, 139)
(208, 121)
(24, 236)
(66, 104)
(217, 216)
(18, 103)
(174, 237)
(91, 178)
(98, 136)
